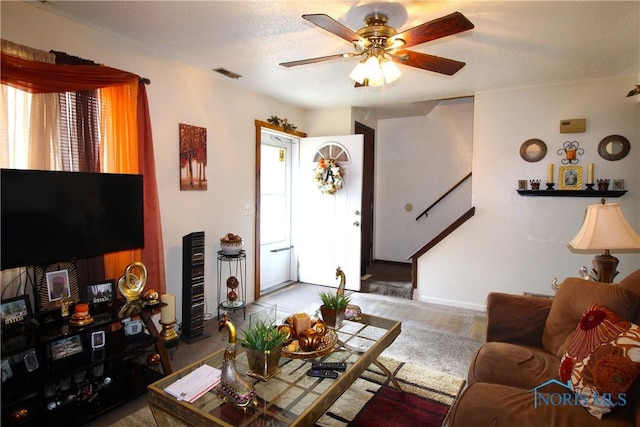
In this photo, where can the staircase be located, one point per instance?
(388, 278)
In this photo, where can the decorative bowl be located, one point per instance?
(329, 341)
(231, 248)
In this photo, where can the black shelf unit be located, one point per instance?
(193, 302)
(572, 193)
(80, 387)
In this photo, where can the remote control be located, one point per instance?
(322, 374)
(330, 366)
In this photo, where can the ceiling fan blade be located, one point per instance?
(313, 60)
(427, 62)
(328, 23)
(436, 29)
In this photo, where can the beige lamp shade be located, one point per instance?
(605, 228)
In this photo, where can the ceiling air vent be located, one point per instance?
(227, 73)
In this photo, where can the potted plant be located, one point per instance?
(263, 345)
(333, 308)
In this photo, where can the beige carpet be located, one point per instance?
(425, 383)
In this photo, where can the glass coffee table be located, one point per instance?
(291, 398)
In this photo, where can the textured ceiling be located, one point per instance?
(513, 44)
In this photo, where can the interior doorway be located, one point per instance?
(368, 181)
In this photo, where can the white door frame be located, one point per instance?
(259, 126)
(285, 260)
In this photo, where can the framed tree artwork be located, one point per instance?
(193, 158)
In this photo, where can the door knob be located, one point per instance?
(357, 224)
(357, 212)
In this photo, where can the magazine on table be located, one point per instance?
(196, 383)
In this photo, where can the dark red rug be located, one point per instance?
(372, 401)
(390, 408)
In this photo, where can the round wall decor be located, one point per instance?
(614, 147)
(533, 150)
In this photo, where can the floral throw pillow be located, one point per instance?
(602, 360)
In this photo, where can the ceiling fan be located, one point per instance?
(382, 44)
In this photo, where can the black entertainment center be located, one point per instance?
(55, 371)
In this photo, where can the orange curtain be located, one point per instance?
(40, 77)
(119, 153)
(130, 140)
(153, 252)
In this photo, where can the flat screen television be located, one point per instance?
(50, 216)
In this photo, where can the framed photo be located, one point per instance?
(100, 292)
(522, 184)
(97, 340)
(5, 368)
(54, 282)
(31, 361)
(66, 347)
(618, 184)
(570, 177)
(58, 285)
(15, 310)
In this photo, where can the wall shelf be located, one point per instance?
(572, 193)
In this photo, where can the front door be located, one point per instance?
(276, 160)
(327, 226)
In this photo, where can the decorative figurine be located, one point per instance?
(353, 312)
(131, 285)
(151, 297)
(235, 390)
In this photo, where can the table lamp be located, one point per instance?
(605, 228)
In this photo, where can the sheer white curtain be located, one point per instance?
(30, 121)
(29, 126)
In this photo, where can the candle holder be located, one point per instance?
(168, 333)
(590, 186)
(550, 185)
(535, 184)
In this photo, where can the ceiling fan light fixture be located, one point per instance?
(372, 65)
(390, 71)
(359, 74)
(376, 81)
(376, 70)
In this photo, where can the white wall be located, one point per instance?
(418, 159)
(177, 94)
(514, 243)
(328, 122)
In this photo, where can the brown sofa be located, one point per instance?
(526, 338)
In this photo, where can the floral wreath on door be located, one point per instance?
(329, 176)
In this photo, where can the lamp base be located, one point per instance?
(168, 333)
(605, 266)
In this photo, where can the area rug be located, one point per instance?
(372, 400)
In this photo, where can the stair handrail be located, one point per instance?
(459, 183)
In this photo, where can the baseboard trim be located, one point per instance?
(448, 302)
